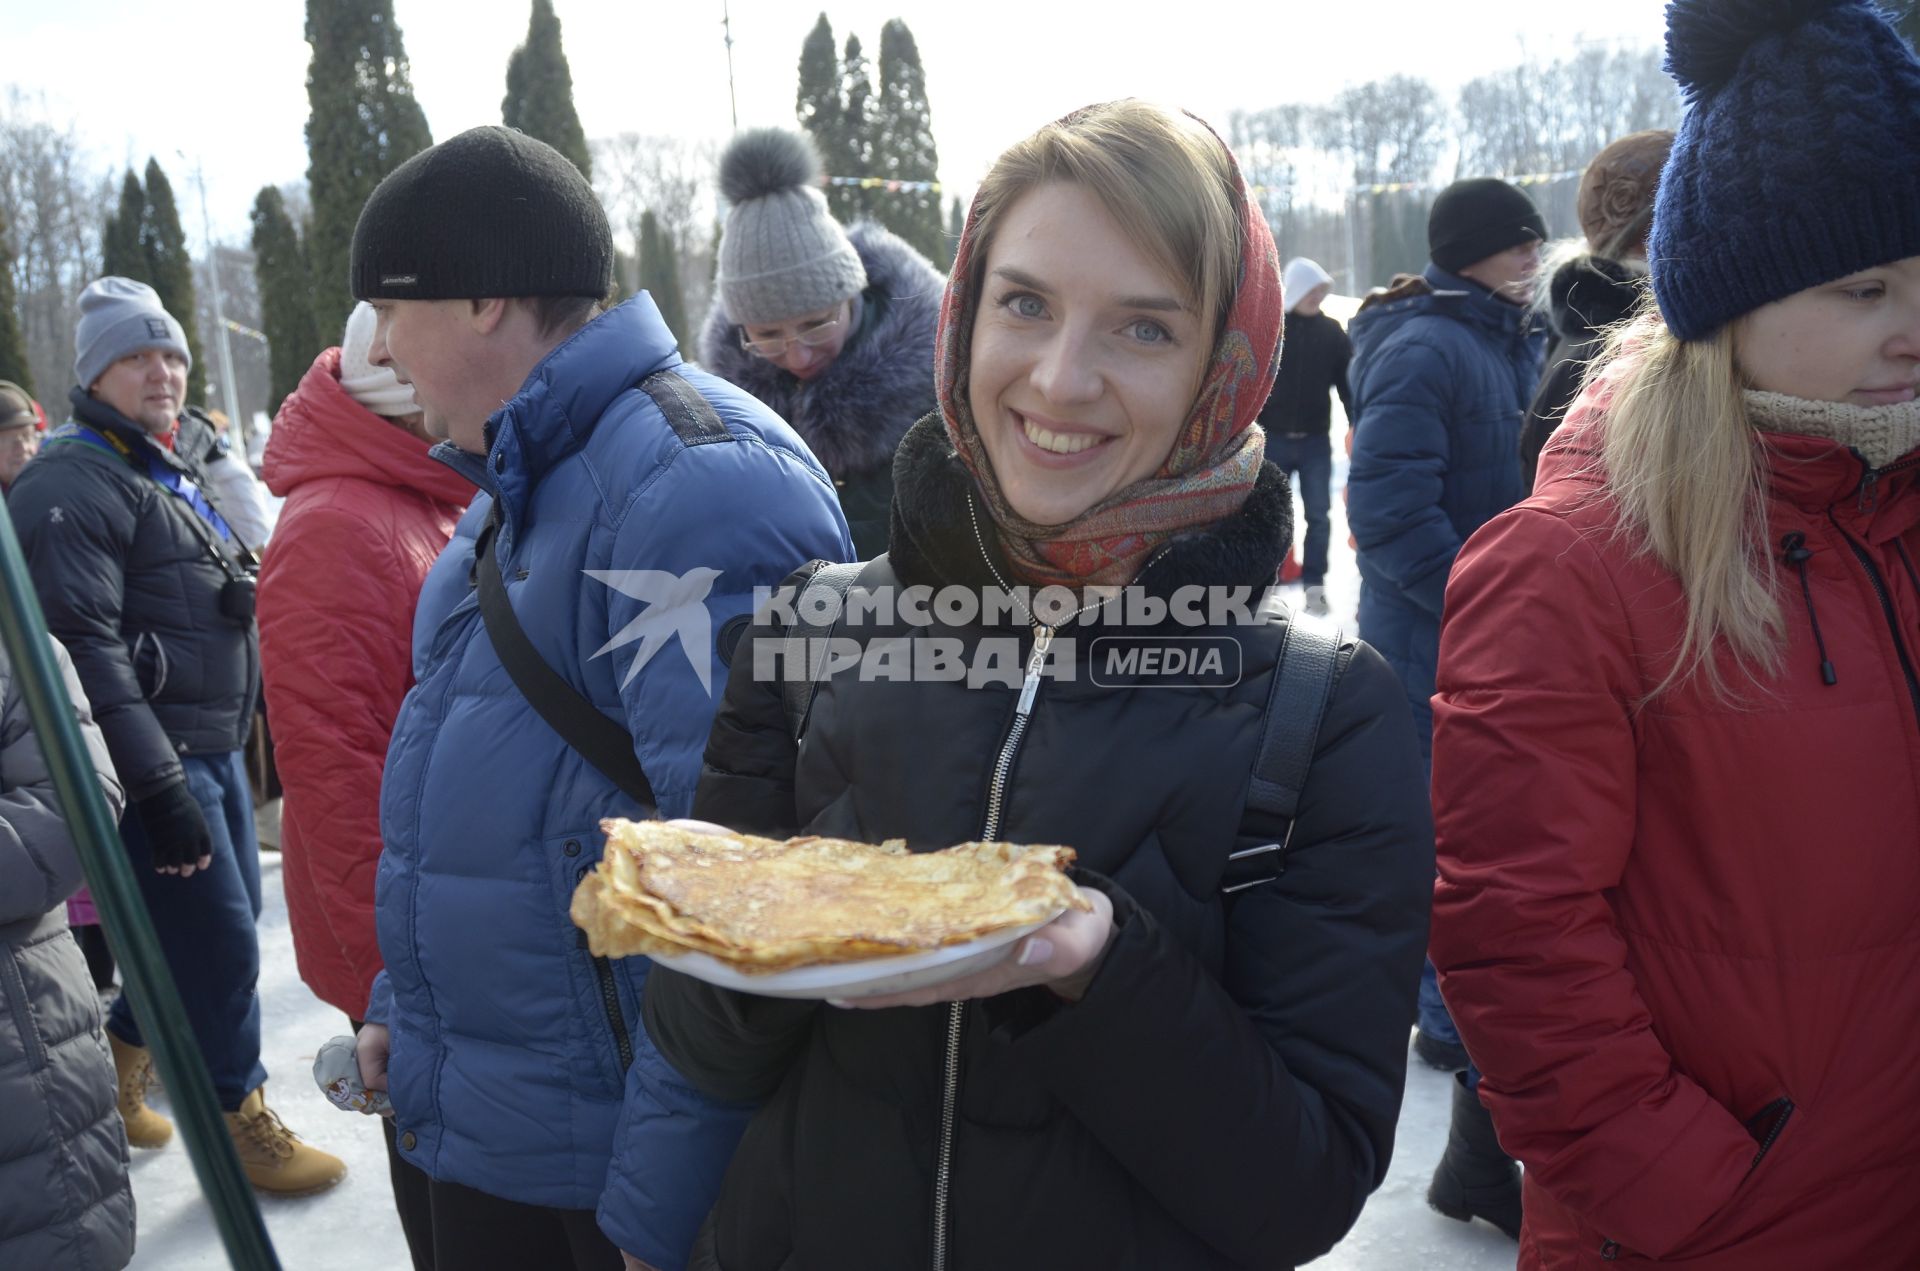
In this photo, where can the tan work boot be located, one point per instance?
(134, 1067)
(276, 1160)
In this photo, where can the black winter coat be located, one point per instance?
(1223, 1096)
(1313, 362)
(1588, 294)
(129, 587)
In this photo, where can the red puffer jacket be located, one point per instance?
(1683, 942)
(366, 514)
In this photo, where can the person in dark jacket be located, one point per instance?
(145, 583)
(1298, 415)
(1677, 732)
(636, 506)
(1601, 286)
(1444, 364)
(832, 328)
(1171, 1078)
(63, 1149)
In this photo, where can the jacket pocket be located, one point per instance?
(150, 664)
(1767, 1125)
(13, 994)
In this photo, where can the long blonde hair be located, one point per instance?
(1684, 466)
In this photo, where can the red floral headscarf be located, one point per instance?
(1213, 464)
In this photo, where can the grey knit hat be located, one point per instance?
(118, 317)
(783, 254)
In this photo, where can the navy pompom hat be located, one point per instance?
(1798, 159)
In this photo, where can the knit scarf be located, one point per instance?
(1881, 434)
(1207, 476)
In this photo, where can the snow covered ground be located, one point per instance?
(353, 1227)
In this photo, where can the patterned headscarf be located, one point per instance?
(1213, 464)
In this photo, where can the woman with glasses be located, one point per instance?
(832, 328)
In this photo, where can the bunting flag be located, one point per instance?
(1531, 178)
(882, 183)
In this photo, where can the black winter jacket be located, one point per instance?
(1223, 1096)
(1312, 363)
(1587, 295)
(129, 587)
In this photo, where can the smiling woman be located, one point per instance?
(1161, 1060)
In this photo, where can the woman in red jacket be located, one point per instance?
(367, 512)
(1677, 742)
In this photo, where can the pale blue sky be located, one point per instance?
(225, 82)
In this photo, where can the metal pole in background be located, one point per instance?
(149, 984)
(726, 24)
(228, 392)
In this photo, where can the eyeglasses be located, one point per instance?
(813, 337)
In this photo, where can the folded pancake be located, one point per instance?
(764, 905)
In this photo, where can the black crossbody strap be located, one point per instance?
(1303, 683)
(807, 639)
(600, 741)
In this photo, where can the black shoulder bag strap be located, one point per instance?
(600, 741)
(807, 638)
(1303, 682)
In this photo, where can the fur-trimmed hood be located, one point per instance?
(932, 536)
(854, 415)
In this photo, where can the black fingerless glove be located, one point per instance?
(176, 828)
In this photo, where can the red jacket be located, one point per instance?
(1683, 942)
(366, 514)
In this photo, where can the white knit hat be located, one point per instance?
(1300, 277)
(375, 387)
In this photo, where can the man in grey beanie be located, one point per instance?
(144, 581)
(832, 328)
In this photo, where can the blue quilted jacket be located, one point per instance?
(635, 528)
(1441, 382)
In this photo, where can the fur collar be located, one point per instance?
(853, 416)
(932, 539)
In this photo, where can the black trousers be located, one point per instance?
(454, 1228)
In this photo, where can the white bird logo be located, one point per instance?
(677, 605)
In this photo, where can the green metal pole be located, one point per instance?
(149, 984)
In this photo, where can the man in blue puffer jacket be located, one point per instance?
(638, 504)
(1444, 365)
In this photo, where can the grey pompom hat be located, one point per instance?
(782, 254)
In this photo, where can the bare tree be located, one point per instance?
(1541, 117)
(53, 199)
(673, 178)
(1388, 131)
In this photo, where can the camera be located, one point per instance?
(238, 600)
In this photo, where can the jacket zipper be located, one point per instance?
(1886, 608)
(1781, 1110)
(610, 1001)
(957, 1011)
(1610, 1251)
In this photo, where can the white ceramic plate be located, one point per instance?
(867, 978)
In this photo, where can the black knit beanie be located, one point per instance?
(1478, 218)
(491, 212)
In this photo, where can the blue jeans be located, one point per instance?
(1433, 1018)
(1311, 459)
(206, 928)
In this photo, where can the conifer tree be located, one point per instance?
(855, 156)
(170, 270)
(660, 275)
(539, 99)
(902, 146)
(817, 104)
(286, 296)
(363, 122)
(956, 226)
(13, 349)
(121, 249)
